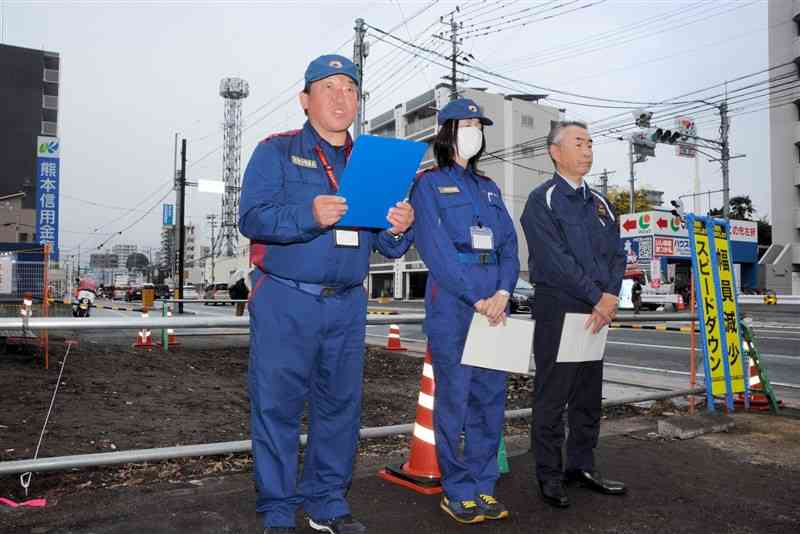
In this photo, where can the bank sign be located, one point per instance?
(47, 187)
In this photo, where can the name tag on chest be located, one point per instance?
(347, 238)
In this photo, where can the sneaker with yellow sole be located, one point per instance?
(467, 512)
(491, 508)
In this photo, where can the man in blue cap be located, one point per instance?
(308, 306)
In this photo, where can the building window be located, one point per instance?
(23, 237)
(527, 121)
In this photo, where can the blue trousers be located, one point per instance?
(468, 399)
(304, 349)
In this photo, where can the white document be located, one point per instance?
(504, 347)
(579, 344)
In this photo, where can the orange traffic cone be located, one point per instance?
(421, 473)
(393, 341)
(144, 340)
(680, 306)
(172, 339)
(758, 400)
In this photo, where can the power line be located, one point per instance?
(476, 33)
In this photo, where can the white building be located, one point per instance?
(780, 265)
(517, 169)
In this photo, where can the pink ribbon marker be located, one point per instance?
(31, 503)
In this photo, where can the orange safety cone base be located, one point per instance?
(396, 349)
(423, 485)
(758, 402)
(147, 344)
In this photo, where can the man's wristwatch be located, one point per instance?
(396, 237)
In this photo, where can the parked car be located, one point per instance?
(217, 292)
(190, 293)
(522, 298)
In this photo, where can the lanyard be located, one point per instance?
(476, 214)
(323, 159)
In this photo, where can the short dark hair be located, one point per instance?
(444, 146)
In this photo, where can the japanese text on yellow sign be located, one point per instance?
(729, 314)
(708, 301)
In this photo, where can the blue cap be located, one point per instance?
(463, 108)
(330, 65)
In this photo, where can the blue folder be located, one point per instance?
(378, 175)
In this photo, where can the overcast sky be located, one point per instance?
(135, 73)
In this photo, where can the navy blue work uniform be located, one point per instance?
(447, 202)
(576, 255)
(308, 313)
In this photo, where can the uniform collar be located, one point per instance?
(312, 139)
(568, 189)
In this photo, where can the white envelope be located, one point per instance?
(504, 347)
(579, 344)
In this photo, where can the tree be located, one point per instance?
(137, 262)
(621, 201)
(740, 208)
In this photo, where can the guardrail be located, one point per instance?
(123, 323)
(58, 463)
(769, 299)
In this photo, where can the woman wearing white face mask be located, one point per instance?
(467, 240)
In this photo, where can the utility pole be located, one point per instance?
(178, 207)
(212, 221)
(633, 180)
(181, 220)
(359, 56)
(604, 182)
(724, 127)
(455, 52)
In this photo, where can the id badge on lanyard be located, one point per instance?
(346, 238)
(342, 238)
(482, 238)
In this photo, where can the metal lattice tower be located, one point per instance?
(233, 90)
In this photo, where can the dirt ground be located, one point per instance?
(114, 397)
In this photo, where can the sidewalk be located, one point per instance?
(746, 480)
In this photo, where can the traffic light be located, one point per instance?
(661, 135)
(642, 144)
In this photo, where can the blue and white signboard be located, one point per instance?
(47, 186)
(168, 211)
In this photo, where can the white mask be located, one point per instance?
(470, 139)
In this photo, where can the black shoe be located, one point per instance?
(279, 530)
(595, 482)
(340, 525)
(554, 493)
